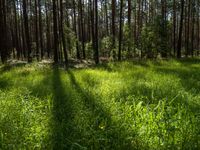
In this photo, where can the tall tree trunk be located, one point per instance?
(188, 29)
(129, 25)
(96, 34)
(198, 28)
(92, 25)
(193, 23)
(106, 13)
(113, 22)
(55, 31)
(120, 30)
(25, 15)
(82, 28)
(41, 30)
(163, 32)
(179, 46)
(36, 29)
(63, 34)
(16, 31)
(48, 38)
(174, 26)
(75, 30)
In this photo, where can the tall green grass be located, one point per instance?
(124, 105)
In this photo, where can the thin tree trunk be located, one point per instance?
(25, 15)
(41, 30)
(120, 30)
(96, 34)
(63, 34)
(174, 26)
(55, 32)
(36, 29)
(75, 30)
(180, 30)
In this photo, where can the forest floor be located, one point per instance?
(121, 105)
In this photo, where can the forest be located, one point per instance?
(100, 74)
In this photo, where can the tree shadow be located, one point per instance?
(190, 81)
(62, 111)
(9, 67)
(107, 133)
(12, 134)
(189, 61)
(4, 83)
(189, 77)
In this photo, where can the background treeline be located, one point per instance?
(98, 29)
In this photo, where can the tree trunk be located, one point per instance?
(55, 32)
(25, 15)
(179, 46)
(113, 22)
(120, 30)
(174, 26)
(96, 34)
(36, 29)
(63, 34)
(41, 30)
(75, 30)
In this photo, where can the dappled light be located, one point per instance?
(114, 106)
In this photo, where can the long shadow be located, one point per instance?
(189, 61)
(5, 83)
(115, 136)
(62, 113)
(190, 81)
(8, 67)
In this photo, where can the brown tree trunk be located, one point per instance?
(96, 34)
(75, 30)
(55, 31)
(28, 43)
(113, 22)
(63, 34)
(41, 30)
(36, 29)
(179, 46)
(120, 30)
(174, 26)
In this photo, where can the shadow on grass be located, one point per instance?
(190, 81)
(4, 83)
(62, 113)
(107, 134)
(189, 61)
(8, 67)
(12, 134)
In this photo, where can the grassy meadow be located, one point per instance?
(119, 106)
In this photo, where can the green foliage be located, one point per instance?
(125, 105)
(70, 41)
(154, 38)
(89, 50)
(106, 46)
(128, 42)
(149, 41)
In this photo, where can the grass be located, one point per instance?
(124, 105)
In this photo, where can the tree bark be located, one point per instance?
(55, 32)
(180, 30)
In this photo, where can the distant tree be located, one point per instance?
(55, 30)
(63, 34)
(120, 29)
(28, 43)
(96, 34)
(179, 46)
